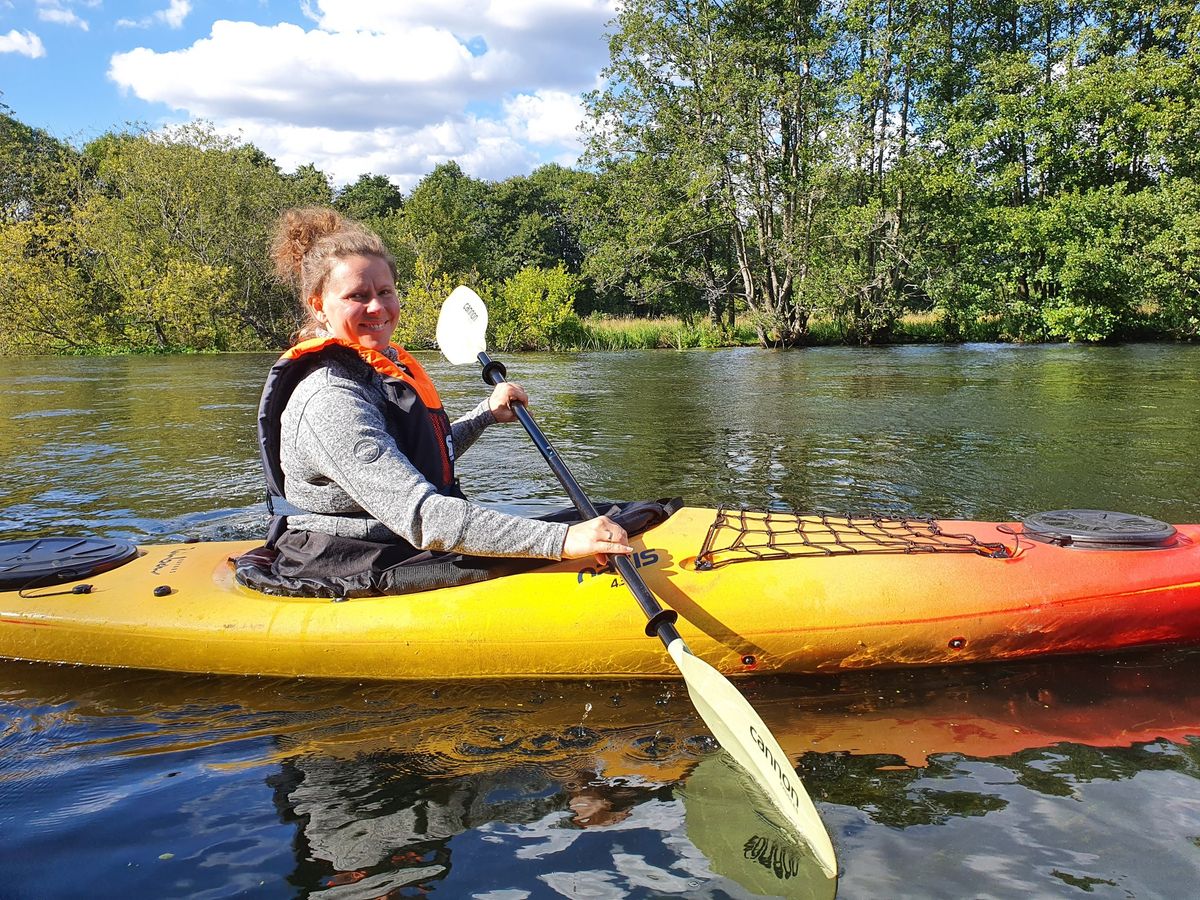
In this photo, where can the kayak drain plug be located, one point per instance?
(162, 590)
(749, 660)
(958, 643)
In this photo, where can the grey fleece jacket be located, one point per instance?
(339, 460)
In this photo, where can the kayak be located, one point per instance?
(754, 592)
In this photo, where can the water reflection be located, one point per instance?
(547, 788)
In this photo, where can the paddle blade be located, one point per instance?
(740, 730)
(462, 327)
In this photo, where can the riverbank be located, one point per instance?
(672, 333)
(609, 333)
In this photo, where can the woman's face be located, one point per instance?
(359, 302)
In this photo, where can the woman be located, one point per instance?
(355, 440)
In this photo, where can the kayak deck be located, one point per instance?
(569, 619)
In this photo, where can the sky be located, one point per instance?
(388, 87)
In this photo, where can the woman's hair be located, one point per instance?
(307, 243)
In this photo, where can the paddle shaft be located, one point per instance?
(660, 621)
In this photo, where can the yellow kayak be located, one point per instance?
(796, 594)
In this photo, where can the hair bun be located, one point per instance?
(298, 230)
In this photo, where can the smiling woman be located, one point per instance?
(359, 304)
(344, 275)
(355, 440)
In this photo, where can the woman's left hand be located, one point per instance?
(502, 399)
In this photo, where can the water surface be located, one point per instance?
(1068, 777)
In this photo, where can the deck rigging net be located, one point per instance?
(739, 535)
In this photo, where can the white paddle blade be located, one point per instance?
(740, 730)
(462, 327)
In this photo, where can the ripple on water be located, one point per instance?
(52, 414)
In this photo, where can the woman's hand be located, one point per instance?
(502, 399)
(600, 536)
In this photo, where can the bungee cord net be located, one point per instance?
(739, 535)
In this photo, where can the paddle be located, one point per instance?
(462, 338)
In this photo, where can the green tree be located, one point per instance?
(443, 222)
(421, 304)
(735, 97)
(310, 186)
(652, 245)
(46, 302)
(875, 231)
(535, 310)
(1052, 119)
(370, 198)
(533, 220)
(176, 225)
(1168, 258)
(34, 171)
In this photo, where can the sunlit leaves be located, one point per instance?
(534, 310)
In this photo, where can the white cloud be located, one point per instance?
(62, 12)
(284, 74)
(482, 147)
(392, 88)
(546, 117)
(172, 16)
(59, 15)
(24, 42)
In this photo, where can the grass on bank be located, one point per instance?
(668, 333)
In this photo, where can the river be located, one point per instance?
(1057, 778)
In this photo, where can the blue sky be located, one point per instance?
(355, 86)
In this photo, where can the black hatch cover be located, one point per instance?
(33, 562)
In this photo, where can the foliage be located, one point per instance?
(176, 224)
(534, 221)
(45, 304)
(868, 171)
(1169, 260)
(312, 184)
(33, 170)
(442, 222)
(535, 310)
(1054, 142)
(422, 301)
(712, 115)
(369, 199)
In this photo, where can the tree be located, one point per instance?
(535, 310)
(1055, 119)
(369, 198)
(443, 222)
(734, 98)
(176, 225)
(652, 245)
(310, 186)
(421, 305)
(33, 170)
(533, 220)
(874, 232)
(46, 302)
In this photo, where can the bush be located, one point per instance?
(421, 305)
(535, 310)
